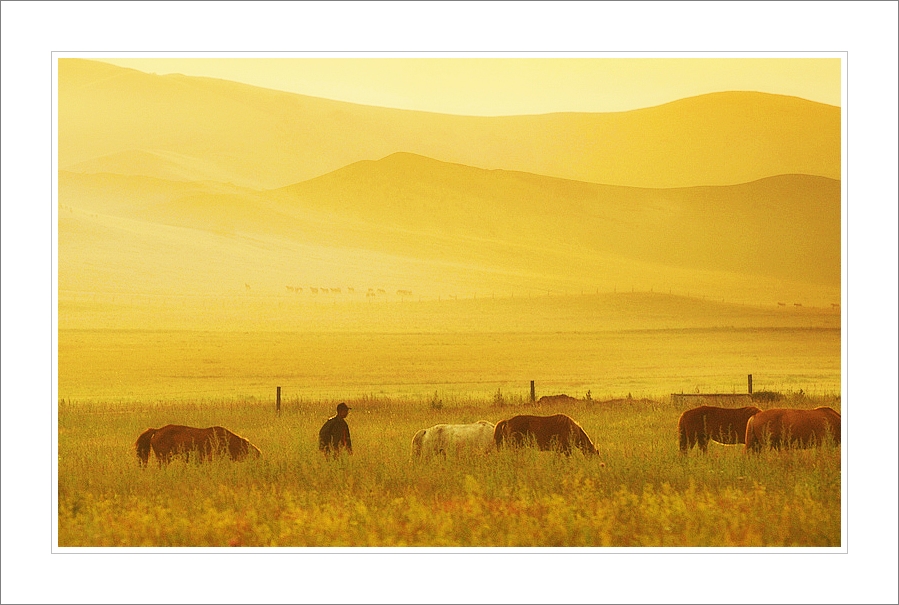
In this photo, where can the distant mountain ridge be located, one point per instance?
(113, 119)
(786, 226)
(175, 189)
(439, 228)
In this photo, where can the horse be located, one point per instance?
(174, 440)
(556, 433)
(455, 439)
(556, 400)
(723, 425)
(792, 428)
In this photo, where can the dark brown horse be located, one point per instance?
(174, 440)
(723, 425)
(556, 399)
(559, 433)
(792, 428)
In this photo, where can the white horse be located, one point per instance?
(454, 439)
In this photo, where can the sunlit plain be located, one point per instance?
(218, 241)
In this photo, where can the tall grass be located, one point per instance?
(638, 492)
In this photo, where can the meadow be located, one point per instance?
(612, 345)
(639, 492)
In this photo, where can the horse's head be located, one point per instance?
(142, 447)
(582, 440)
(500, 432)
(240, 448)
(247, 450)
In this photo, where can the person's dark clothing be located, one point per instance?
(334, 436)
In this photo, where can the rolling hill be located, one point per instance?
(123, 121)
(784, 227)
(441, 230)
(190, 201)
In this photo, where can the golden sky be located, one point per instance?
(513, 86)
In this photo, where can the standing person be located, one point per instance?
(335, 433)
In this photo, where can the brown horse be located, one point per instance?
(723, 425)
(792, 428)
(556, 399)
(559, 433)
(174, 440)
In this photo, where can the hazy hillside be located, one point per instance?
(785, 227)
(123, 121)
(446, 230)
(192, 201)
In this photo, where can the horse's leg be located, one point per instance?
(703, 441)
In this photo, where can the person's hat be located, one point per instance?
(342, 406)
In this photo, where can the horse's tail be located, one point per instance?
(684, 441)
(142, 446)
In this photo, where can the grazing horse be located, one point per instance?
(558, 432)
(175, 440)
(783, 427)
(454, 439)
(556, 399)
(724, 425)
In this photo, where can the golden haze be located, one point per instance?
(193, 203)
(128, 122)
(217, 241)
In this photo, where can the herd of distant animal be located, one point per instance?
(371, 293)
(758, 429)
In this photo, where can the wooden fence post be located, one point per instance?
(533, 394)
(278, 402)
(750, 384)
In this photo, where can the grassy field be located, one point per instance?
(638, 492)
(133, 365)
(115, 383)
